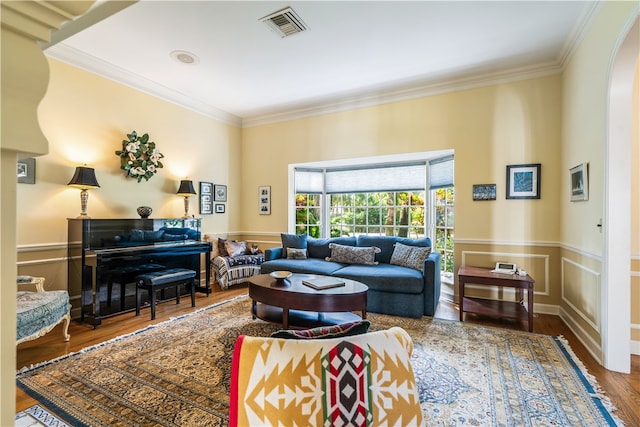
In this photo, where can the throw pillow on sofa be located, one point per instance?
(410, 256)
(324, 332)
(293, 253)
(234, 248)
(295, 241)
(353, 254)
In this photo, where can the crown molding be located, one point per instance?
(425, 89)
(74, 57)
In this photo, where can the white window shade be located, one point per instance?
(441, 173)
(376, 179)
(309, 181)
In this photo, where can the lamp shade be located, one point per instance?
(84, 178)
(186, 188)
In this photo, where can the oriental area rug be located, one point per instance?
(177, 373)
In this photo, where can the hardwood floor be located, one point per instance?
(623, 390)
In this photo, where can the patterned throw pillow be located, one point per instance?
(234, 248)
(410, 256)
(324, 332)
(293, 253)
(353, 254)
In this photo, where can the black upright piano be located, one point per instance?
(106, 255)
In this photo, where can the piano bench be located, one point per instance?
(158, 280)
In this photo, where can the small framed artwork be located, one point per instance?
(579, 182)
(27, 171)
(523, 181)
(219, 193)
(206, 198)
(264, 194)
(484, 192)
(219, 208)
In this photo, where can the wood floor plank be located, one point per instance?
(622, 389)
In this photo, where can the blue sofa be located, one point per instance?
(393, 289)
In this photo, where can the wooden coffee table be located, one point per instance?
(292, 303)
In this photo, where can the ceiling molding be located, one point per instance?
(397, 95)
(89, 63)
(577, 33)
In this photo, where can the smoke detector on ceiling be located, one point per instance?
(285, 22)
(184, 57)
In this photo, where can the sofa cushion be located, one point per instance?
(410, 256)
(293, 253)
(296, 241)
(308, 266)
(352, 254)
(324, 332)
(319, 248)
(384, 277)
(385, 243)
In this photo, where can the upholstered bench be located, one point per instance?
(39, 312)
(163, 279)
(125, 275)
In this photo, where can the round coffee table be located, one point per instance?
(309, 307)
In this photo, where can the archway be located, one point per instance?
(616, 295)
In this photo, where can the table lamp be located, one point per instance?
(84, 178)
(186, 190)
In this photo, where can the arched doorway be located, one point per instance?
(616, 311)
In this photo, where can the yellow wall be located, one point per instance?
(85, 118)
(488, 128)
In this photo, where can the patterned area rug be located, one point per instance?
(177, 373)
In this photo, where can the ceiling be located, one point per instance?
(354, 53)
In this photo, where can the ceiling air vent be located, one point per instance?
(285, 22)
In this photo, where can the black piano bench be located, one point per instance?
(155, 281)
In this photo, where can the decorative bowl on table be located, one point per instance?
(280, 276)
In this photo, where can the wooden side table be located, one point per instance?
(506, 309)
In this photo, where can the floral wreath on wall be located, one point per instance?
(139, 157)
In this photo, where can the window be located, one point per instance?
(382, 213)
(444, 231)
(406, 199)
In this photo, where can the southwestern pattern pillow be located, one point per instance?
(410, 256)
(353, 254)
(324, 332)
(361, 380)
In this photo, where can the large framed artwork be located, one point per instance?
(579, 182)
(206, 198)
(523, 181)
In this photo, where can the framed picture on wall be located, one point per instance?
(26, 170)
(206, 198)
(264, 202)
(219, 193)
(219, 208)
(579, 182)
(484, 191)
(523, 181)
